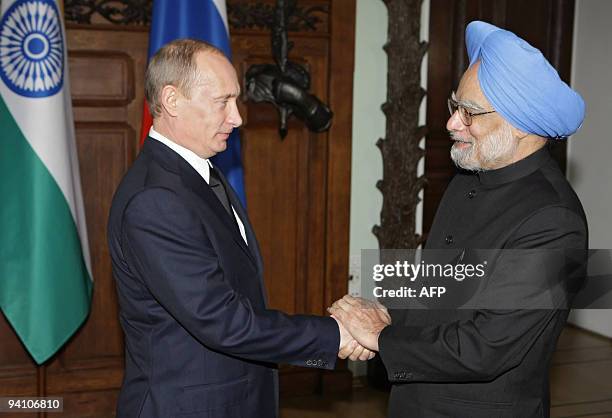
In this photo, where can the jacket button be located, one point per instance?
(449, 239)
(471, 194)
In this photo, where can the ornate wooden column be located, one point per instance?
(400, 148)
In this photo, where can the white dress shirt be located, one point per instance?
(201, 165)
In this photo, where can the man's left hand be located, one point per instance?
(363, 319)
(350, 348)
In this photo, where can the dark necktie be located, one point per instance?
(219, 189)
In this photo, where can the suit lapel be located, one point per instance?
(175, 163)
(253, 245)
(196, 183)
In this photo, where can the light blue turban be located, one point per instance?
(521, 84)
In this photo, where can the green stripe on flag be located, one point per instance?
(45, 289)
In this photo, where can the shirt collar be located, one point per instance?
(201, 165)
(517, 170)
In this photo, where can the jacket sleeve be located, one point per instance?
(166, 246)
(492, 341)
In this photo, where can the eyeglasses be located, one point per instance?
(464, 114)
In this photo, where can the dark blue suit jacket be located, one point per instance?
(199, 339)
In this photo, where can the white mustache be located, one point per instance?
(455, 137)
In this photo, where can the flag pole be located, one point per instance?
(41, 370)
(41, 389)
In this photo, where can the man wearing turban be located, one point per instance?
(511, 196)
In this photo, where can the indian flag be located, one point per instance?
(45, 271)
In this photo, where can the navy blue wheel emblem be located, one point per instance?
(32, 48)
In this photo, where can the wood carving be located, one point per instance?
(400, 148)
(119, 12)
(241, 15)
(249, 15)
(285, 84)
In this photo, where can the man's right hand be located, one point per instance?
(350, 348)
(363, 319)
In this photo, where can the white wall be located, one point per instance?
(590, 150)
(369, 93)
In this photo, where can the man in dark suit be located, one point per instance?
(199, 339)
(512, 198)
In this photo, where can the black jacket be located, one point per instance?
(486, 363)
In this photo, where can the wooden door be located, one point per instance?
(297, 189)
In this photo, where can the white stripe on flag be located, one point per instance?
(220, 4)
(45, 122)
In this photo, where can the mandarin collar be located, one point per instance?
(517, 170)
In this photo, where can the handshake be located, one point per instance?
(360, 322)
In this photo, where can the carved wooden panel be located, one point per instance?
(17, 370)
(113, 73)
(546, 24)
(100, 176)
(304, 15)
(279, 239)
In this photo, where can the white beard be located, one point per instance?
(495, 148)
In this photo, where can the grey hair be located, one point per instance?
(174, 64)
